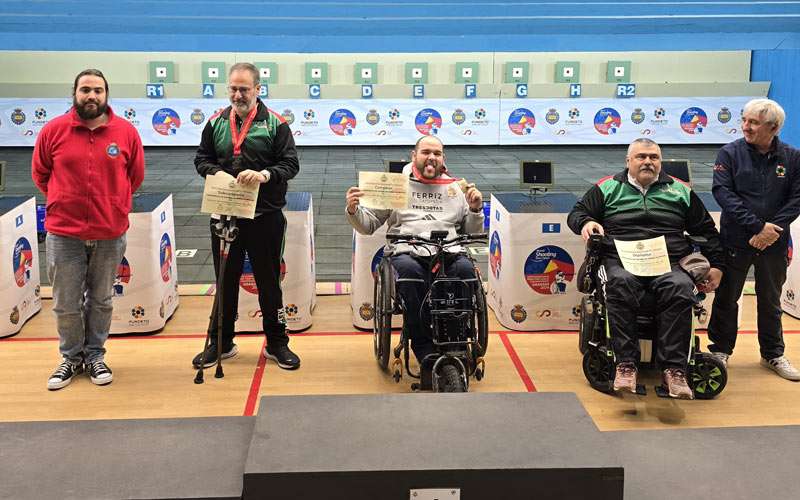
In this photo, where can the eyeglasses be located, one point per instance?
(241, 90)
(643, 156)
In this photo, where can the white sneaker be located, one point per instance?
(721, 357)
(782, 367)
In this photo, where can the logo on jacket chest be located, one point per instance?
(780, 171)
(112, 150)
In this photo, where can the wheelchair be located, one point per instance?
(706, 375)
(459, 320)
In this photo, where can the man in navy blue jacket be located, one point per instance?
(757, 184)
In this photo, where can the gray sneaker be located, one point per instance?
(722, 357)
(782, 367)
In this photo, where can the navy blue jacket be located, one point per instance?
(754, 188)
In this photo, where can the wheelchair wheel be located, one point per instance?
(382, 321)
(599, 371)
(587, 322)
(481, 322)
(709, 376)
(450, 380)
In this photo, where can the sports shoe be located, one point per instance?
(228, 351)
(625, 377)
(675, 383)
(782, 367)
(282, 355)
(64, 374)
(721, 357)
(99, 372)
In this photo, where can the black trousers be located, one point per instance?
(413, 283)
(770, 273)
(263, 239)
(674, 293)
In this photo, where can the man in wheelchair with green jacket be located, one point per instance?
(638, 204)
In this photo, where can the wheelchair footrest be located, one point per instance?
(662, 391)
(641, 390)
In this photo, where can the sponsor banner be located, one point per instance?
(790, 295)
(321, 122)
(298, 275)
(19, 271)
(667, 120)
(532, 273)
(145, 290)
(367, 254)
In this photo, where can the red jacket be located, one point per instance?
(88, 175)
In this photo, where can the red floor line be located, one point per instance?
(29, 339)
(536, 332)
(159, 336)
(523, 373)
(255, 385)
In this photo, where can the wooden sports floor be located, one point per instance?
(153, 377)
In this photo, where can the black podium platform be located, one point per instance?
(463, 446)
(498, 446)
(190, 458)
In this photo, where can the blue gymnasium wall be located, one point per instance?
(771, 29)
(782, 68)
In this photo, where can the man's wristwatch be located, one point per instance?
(266, 174)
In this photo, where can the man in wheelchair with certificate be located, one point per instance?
(425, 272)
(636, 224)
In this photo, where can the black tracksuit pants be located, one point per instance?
(770, 274)
(413, 283)
(263, 239)
(674, 292)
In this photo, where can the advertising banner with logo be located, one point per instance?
(322, 122)
(790, 296)
(667, 120)
(145, 292)
(298, 273)
(367, 254)
(533, 259)
(19, 272)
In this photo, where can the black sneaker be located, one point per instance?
(99, 372)
(228, 351)
(282, 355)
(63, 375)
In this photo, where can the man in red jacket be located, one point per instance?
(88, 162)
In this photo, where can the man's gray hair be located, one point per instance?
(246, 66)
(642, 140)
(767, 110)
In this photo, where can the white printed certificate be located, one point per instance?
(383, 190)
(224, 196)
(644, 257)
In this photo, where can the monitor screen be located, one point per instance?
(394, 166)
(678, 169)
(536, 173)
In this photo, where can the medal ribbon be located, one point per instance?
(236, 138)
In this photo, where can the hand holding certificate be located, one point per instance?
(224, 196)
(383, 190)
(644, 257)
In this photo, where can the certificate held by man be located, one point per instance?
(224, 196)
(644, 257)
(383, 190)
